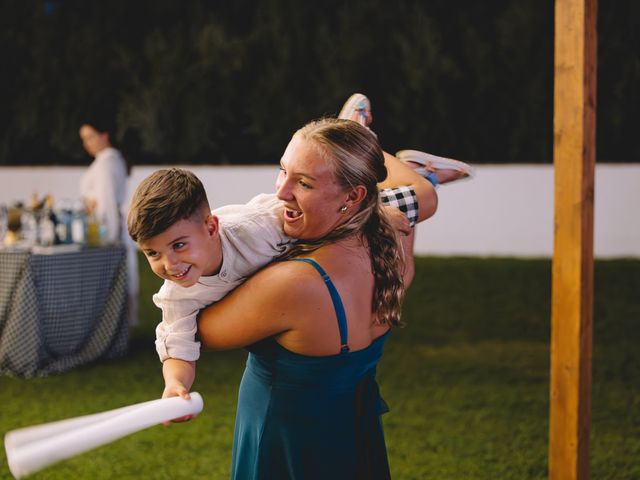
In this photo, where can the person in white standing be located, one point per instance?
(103, 188)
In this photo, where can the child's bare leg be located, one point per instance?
(358, 109)
(400, 174)
(437, 170)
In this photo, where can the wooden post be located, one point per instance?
(572, 271)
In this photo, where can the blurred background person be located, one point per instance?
(103, 188)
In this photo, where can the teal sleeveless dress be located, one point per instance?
(306, 418)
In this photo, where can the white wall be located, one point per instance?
(506, 210)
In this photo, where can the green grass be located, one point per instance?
(466, 380)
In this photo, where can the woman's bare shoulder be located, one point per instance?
(270, 302)
(289, 274)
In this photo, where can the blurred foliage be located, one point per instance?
(216, 82)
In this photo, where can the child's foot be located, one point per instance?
(438, 170)
(357, 108)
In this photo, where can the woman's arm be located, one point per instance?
(261, 307)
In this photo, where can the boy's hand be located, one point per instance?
(177, 390)
(397, 219)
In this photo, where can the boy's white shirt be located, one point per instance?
(252, 236)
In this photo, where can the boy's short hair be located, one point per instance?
(162, 199)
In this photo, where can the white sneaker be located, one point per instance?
(357, 108)
(428, 163)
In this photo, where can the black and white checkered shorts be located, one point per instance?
(403, 198)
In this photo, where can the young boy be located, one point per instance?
(438, 170)
(202, 254)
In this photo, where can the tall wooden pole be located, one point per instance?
(572, 271)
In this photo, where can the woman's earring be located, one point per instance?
(343, 209)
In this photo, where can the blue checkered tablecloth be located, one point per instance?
(62, 310)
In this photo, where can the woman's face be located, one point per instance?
(92, 140)
(312, 198)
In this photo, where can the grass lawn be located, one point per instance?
(466, 380)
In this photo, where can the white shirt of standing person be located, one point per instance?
(104, 185)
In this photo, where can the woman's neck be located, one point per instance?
(354, 246)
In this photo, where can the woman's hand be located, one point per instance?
(397, 219)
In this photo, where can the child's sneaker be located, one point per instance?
(357, 108)
(438, 170)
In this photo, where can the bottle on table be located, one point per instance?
(93, 230)
(79, 224)
(65, 219)
(47, 224)
(28, 227)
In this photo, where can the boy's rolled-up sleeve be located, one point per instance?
(177, 339)
(176, 333)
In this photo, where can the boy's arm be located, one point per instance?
(399, 174)
(175, 334)
(178, 377)
(175, 340)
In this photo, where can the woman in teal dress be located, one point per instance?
(315, 323)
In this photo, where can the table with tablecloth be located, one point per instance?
(61, 310)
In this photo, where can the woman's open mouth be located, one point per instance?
(291, 215)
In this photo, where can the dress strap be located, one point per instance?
(337, 302)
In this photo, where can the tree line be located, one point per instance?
(219, 82)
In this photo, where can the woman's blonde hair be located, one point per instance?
(357, 159)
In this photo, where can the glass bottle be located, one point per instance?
(93, 230)
(79, 224)
(65, 219)
(47, 224)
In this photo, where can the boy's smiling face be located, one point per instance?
(186, 251)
